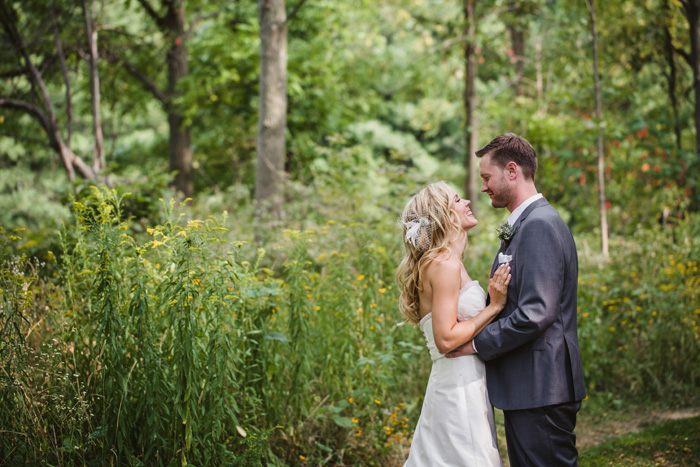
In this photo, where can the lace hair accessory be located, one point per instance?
(418, 232)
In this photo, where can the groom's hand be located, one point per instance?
(466, 349)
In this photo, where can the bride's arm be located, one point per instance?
(444, 278)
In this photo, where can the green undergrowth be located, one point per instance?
(671, 443)
(183, 341)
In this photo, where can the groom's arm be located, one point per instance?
(539, 277)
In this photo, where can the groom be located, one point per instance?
(531, 349)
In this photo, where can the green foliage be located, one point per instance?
(183, 344)
(675, 442)
(144, 323)
(639, 315)
(37, 206)
(150, 337)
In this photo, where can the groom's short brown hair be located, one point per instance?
(511, 147)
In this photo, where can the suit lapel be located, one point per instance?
(504, 245)
(537, 204)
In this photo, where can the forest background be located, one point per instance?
(200, 208)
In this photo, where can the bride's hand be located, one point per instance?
(498, 285)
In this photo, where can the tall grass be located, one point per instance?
(183, 345)
(177, 350)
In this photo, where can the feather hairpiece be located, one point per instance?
(413, 229)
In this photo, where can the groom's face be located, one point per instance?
(494, 183)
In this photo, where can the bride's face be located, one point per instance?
(466, 218)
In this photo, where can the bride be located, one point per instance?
(456, 426)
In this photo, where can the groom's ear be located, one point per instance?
(511, 170)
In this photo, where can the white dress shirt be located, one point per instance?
(519, 210)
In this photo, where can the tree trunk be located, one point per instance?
(517, 36)
(671, 81)
(181, 157)
(539, 79)
(272, 118)
(66, 81)
(692, 12)
(99, 162)
(471, 135)
(599, 117)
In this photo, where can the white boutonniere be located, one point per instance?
(504, 258)
(506, 231)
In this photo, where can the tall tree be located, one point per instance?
(38, 102)
(181, 158)
(517, 31)
(599, 117)
(171, 22)
(671, 80)
(91, 35)
(272, 118)
(471, 123)
(692, 13)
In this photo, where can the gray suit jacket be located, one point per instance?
(531, 349)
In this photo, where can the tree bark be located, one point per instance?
(99, 161)
(517, 36)
(599, 117)
(671, 82)
(172, 25)
(272, 118)
(471, 134)
(539, 79)
(66, 81)
(181, 157)
(692, 13)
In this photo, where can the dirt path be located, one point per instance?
(597, 428)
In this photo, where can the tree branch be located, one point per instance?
(23, 139)
(35, 76)
(199, 17)
(151, 12)
(139, 75)
(14, 73)
(29, 108)
(295, 10)
(684, 54)
(122, 32)
(49, 122)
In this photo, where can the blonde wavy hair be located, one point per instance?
(433, 208)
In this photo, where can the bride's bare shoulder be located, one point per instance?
(443, 265)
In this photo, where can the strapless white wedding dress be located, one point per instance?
(456, 425)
